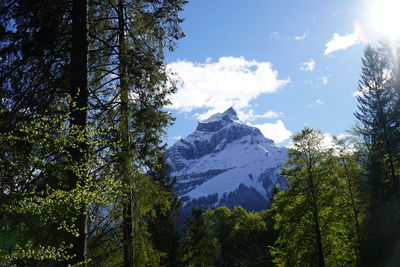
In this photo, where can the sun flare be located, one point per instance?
(385, 17)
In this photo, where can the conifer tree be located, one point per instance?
(38, 48)
(377, 117)
(163, 226)
(145, 29)
(34, 51)
(47, 46)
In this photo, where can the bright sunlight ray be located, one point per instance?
(385, 17)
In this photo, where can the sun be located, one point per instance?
(385, 17)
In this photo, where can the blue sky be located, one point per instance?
(282, 64)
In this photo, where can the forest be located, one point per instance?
(83, 177)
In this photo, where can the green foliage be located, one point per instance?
(163, 225)
(33, 69)
(222, 237)
(200, 244)
(341, 206)
(242, 237)
(132, 55)
(309, 216)
(378, 119)
(351, 188)
(37, 207)
(53, 172)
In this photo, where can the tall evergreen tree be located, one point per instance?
(46, 46)
(163, 226)
(145, 29)
(36, 76)
(35, 55)
(377, 117)
(125, 152)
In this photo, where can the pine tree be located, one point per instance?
(377, 117)
(163, 225)
(35, 76)
(34, 51)
(131, 86)
(55, 53)
(145, 29)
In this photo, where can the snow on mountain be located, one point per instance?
(226, 163)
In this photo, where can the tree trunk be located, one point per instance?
(79, 104)
(318, 240)
(125, 157)
(355, 211)
(313, 200)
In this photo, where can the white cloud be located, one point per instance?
(179, 137)
(328, 142)
(325, 80)
(342, 42)
(317, 103)
(270, 115)
(276, 131)
(300, 37)
(357, 93)
(207, 114)
(228, 82)
(278, 36)
(251, 116)
(343, 136)
(308, 65)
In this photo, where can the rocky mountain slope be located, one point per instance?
(226, 163)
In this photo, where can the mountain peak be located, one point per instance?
(230, 114)
(218, 121)
(225, 162)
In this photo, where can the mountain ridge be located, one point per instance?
(225, 162)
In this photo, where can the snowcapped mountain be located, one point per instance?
(226, 163)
